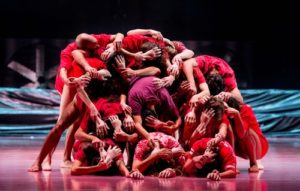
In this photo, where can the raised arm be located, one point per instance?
(237, 95)
(79, 58)
(139, 127)
(151, 32)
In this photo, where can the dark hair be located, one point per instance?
(232, 102)
(91, 154)
(217, 105)
(146, 46)
(215, 83)
(98, 88)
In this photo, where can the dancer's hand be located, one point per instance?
(207, 115)
(167, 173)
(135, 174)
(173, 69)
(214, 175)
(190, 117)
(112, 153)
(177, 60)
(101, 128)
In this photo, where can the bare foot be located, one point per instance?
(35, 168)
(253, 168)
(66, 164)
(46, 166)
(260, 165)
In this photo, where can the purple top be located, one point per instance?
(143, 92)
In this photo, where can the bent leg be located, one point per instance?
(68, 117)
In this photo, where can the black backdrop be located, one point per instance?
(265, 34)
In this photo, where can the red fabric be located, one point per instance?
(166, 141)
(66, 60)
(103, 41)
(105, 108)
(225, 151)
(198, 75)
(76, 70)
(133, 44)
(207, 63)
(179, 46)
(213, 126)
(250, 122)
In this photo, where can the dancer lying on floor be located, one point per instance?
(164, 160)
(212, 162)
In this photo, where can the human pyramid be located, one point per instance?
(143, 105)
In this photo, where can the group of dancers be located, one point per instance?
(142, 104)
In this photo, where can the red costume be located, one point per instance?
(225, 160)
(207, 63)
(250, 122)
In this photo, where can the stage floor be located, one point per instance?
(282, 172)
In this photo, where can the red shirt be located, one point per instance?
(227, 158)
(76, 70)
(166, 141)
(66, 60)
(207, 63)
(179, 46)
(133, 43)
(103, 41)
(105, 108)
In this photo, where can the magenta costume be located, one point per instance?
(142, 92)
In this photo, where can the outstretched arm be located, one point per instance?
(151, 32)
(79, 169)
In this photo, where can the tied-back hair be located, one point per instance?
(215, 83)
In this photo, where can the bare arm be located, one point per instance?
(140, 129)
(144, 165)
(83, 136)
(238, 122)
(228, 174)
(151, 32)
(189, 167)
(186, 54)
(64, 76)
(78, 169)
(197, 135)
(149, 71)
(79, 58)
(237, 95)
(122, 168)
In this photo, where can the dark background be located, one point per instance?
(261, 38)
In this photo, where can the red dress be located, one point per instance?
(207, 63)
(250, 122)
(226, 159)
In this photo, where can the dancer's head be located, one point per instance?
(86, 41)
(217, 105)
(215, 83)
